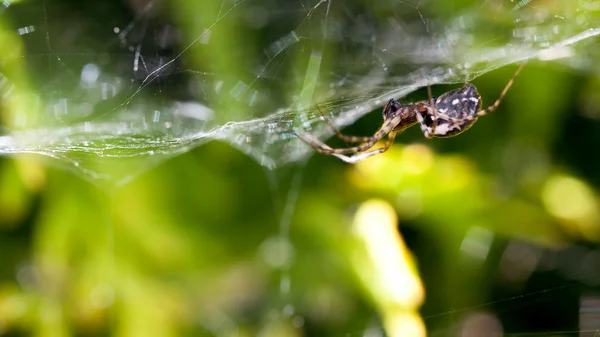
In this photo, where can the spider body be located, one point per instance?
(407, 113)
(456, 112)
(448, 115)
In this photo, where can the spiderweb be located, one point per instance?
(100, 90)
(110, 91)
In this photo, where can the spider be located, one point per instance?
(448, 115)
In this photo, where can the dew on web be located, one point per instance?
(378, 63)
(149, 87)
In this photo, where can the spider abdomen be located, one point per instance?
(456, 112)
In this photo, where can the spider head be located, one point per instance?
(390, 109)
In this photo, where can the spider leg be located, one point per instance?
(360, 156)
(345, 138)
(325, 149)
(435, 114)
(423, 126)
(502, 94)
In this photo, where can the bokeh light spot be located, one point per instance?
(477, 242)
(102, 296)
(12, 307)
(90, 73)
(402, 324)
(375, 224)
(417, 158)
(568, 198)
(277, 252)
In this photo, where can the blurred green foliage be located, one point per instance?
(211, 243)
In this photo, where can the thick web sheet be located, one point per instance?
(102, 91)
